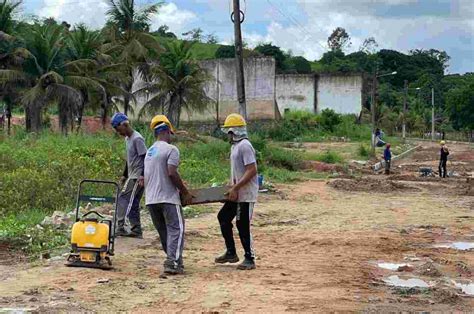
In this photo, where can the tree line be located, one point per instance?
(46, 64)
(421, 69)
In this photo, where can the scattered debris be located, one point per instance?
(103, 280)
(428, 269)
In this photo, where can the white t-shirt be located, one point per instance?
(158, 186)
(243, 154)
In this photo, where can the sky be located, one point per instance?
(303, 26)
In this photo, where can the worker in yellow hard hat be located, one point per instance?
(158, 119)
(443, 159)
(165, 193)
(242, 196)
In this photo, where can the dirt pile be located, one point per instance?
(370, 185)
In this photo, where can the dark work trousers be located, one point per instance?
(169, 222)
(129, 206)
(243, 213)
(442, 168)
(387, 166)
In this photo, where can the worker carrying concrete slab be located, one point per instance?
(242, 196)
(387, 156)
(128, 204)
(164, 192)
(443, 159)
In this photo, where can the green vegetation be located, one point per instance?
(329, 157)
(309, 127)
(363, 151)
(40, 174)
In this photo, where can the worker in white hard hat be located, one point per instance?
(242, 196)
(443, 159)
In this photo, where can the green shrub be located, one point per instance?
(282, 158)
(329, 157)
(329, 119)
(294, 125)
(363, 151)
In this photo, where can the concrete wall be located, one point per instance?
(259, 76)
(315, 92)
(341, 92)
(295, 92)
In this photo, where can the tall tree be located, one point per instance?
(45, 76)
(177, 83)
(339, 39)
(128, 26)
(369, 46)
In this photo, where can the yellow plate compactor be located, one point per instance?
(92, 235)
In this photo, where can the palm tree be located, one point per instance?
(8, 9)
(46, 76)
(176, 83)
(128, 26)
(8, 48)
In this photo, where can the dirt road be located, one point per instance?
(318, 246)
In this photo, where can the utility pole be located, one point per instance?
(239, 62)
(432, 115)
(405, 95)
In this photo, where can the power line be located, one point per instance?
(295, 23)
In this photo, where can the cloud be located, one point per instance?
(93, 14)
(394, 27)
(89, 12)
(176, 19)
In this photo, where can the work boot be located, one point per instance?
(227, 257)
(121, 232)
(134, 235)
(247, 264)
(172, 268)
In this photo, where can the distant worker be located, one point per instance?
(378, 138)
(387, 156)
(128, 205)
(444, 152)
(242, 196)
(163, 186)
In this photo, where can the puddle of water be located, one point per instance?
(466, 288)
(462, 246)
(11, 310)
(391, 266)
(406, 283)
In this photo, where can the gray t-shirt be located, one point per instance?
(243, 154)
(158, 186)
(136, 150)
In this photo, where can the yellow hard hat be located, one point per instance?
(234, 120)
(161, 119)
(442, 142)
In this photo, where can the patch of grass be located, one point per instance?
(20, 231)
(196, 211)
(280, 175)
(282, 158)
(329, 157)
(363, 151)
